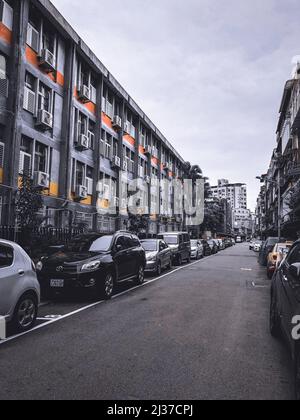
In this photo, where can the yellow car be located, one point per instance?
(276, 256)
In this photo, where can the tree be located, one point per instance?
(28, 203)
(138, 224)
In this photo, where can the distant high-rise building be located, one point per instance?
(236, 194)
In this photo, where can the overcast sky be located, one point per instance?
(209, 73)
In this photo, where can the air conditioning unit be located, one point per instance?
(127, 128)
(84, 94)
(81, 192)
(116, 163)
(117, 122)
(45, 119)
(147, 179)
(148, 150)
(125, 166)
(42, 180)
(47, 61)
(83, 142)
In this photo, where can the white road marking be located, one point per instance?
(95, 304)
(246, 269)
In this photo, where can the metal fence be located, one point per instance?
(44, 235)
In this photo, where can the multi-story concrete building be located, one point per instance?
(65, 119)
(281, 184)
(236, 194)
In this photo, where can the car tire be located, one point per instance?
(275, 324)
(140, 278)
(159, 269)
(179, 260)
(25, 313)
(107, 286)
(170, 266)
(269, 274)
(188, 259)
(297, 374)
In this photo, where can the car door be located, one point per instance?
(290, 292)
(132, 256)
(121, 256)
(9, 278)
(164, 253)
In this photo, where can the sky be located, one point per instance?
(210, 74)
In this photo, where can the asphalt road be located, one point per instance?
(199, 333)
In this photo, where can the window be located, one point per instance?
(48, 39)
(294, 256)
(108, 142)
(29, 93)
(2, 149)
(41, 158)
(3, 65)
(7, 14)
(6, 256)
(45, 98)
(89, 180)
(33, 37)
(80, 174)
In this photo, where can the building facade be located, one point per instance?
(279, 199)
(236, 195)
(67, 121)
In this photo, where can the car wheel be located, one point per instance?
(269, 274)
(170, 266)
(25, 313)
(189, 259)
(297, 374)
(197, 256)
(140, 279)
(107, 286)
(275, 325)
(158, 270)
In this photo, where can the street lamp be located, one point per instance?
(278, 184)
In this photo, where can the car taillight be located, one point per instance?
(275, 257)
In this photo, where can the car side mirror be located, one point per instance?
(295, 270)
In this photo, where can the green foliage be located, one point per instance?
(138, 224)
(28, 203)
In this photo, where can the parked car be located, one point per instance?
(158, 255)
(197, 249)
(233, 241)
(213, 246)
(93, 262)
(221, 244)
(257, 246)
(275, 257)
(180, 245)
(239, 240)
(285, 305)
(19, 287)
(266, 248)
(228, 243)
(206, 248)
(251, 245)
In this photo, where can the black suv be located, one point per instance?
(285, 305)
(93, 262)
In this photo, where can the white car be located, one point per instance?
(197, 249)
(257, 246)
(19, 287)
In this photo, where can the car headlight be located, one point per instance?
(151, 257)
(39, 266)
(91, 266)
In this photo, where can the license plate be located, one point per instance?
(57, 283)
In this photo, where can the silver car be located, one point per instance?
(19, 287)
(158, 255)
(197, 249)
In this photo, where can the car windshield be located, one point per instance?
(171, 239)
(194, 243)
(89, 244)
(149, 246)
